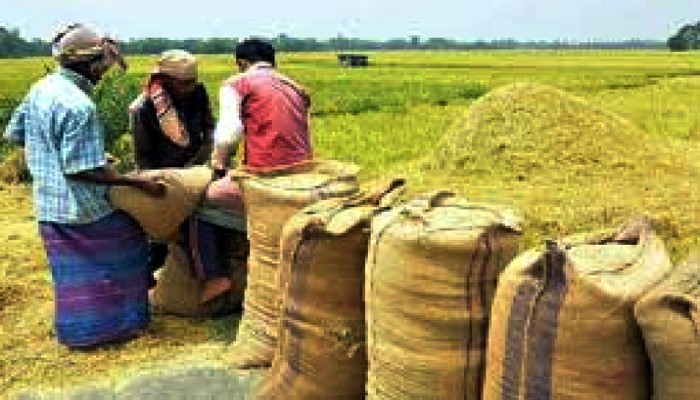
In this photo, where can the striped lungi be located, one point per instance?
(100, 279)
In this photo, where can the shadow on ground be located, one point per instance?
(209, 381)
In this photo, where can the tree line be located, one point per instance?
(687, 38)
(13, 45)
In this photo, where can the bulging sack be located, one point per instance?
(562, 324)
(269, 201)
(178, 291)
(431, 274)
(161, 217)
(669, 317)
(322, 352)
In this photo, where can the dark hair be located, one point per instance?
(255, 50)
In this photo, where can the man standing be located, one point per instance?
(97, 255)
(266, 109)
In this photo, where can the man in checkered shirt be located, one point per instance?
(97, 255)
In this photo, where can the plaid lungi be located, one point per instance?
(100, 279)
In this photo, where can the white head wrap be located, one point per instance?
(79, 43)
(178, 64)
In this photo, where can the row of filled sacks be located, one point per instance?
(395, 303)
(602, 316)
(321, 351)
(388, 300)
(406, 315)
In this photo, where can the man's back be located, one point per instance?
(57, 123)
(274, 111)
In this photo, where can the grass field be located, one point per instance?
(398, 118)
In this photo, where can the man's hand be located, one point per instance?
(108, 177)
(151, 187)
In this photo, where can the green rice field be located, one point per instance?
(626, 142)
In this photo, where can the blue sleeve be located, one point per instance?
(82, 142)
(15, 129)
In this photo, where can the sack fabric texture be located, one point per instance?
(431, 275)
(270, 201)
(562, 323)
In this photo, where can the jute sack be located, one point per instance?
(161, 217)
(269, 201)
(669, 317)
(431, 274)
(179, 292)
(562, 323)
(322, 352)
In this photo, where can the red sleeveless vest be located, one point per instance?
(274, 112)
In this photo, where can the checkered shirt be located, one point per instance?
(58, 125)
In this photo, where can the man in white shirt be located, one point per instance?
(265, 109)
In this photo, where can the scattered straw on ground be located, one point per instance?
(13, 169)
(29, 354)
(567, 165)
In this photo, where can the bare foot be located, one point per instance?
(214, 288)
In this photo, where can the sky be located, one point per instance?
(577, 20)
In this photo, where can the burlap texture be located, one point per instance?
(431, 274)
(322, 352)
(562, 323)
(669, 317)
(161, 217)
(270, 200)
(179, 292)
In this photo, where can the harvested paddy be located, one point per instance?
(568, 165)
(529, 130)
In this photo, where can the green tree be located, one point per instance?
(113, 96)
(687, 38)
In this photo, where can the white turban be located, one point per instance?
(79, 43)
(178, 64)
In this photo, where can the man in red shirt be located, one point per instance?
(268, 110)
(268, 113)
